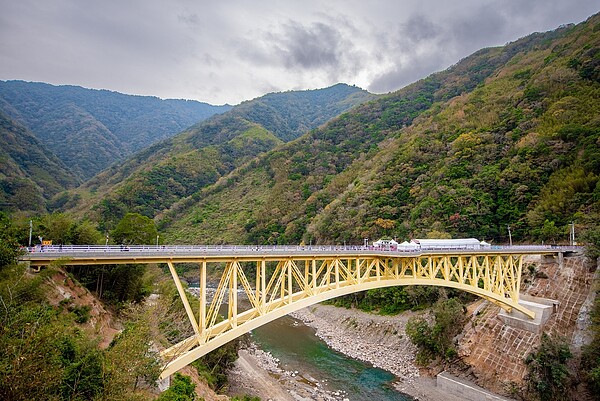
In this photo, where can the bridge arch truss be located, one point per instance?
(255, 290)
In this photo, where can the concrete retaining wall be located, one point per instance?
(465, 389)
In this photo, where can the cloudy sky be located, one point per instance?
(228, 51)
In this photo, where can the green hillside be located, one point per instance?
(92, 129)
(508, 135)
(521, 150)
(152, 180)
(29, 174)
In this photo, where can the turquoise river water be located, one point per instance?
(299, 349)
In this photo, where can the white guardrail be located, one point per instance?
(148, 250)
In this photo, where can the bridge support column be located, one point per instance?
(289, 281)
(260, 286)
(233, 295)
(184, 299)
(561, 256)
(202, 297)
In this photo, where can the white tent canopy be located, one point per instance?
(432, 243)
(468, 243)
(385, 243)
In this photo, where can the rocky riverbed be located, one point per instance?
(258, 373)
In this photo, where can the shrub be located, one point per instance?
(437, 339)
(82, 313)
(181, 389)
(548, 375)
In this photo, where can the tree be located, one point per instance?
(136, 229)
(85, 233)
(30, 339)
(57, 227)
(122, 283)
(9, 248)
(82, 376)
(43, 354)
(386, 224)
(550, 232)
(435, 234)
(591, 238)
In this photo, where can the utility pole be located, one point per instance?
(30, 231)
(572, 233)
(509, 237)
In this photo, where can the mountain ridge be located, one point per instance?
(76, 122)
(218, 144)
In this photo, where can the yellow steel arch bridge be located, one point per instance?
(259, 284)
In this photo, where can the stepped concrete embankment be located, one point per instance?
(496, 352)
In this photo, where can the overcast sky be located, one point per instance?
(228, 51)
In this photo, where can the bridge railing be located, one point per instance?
(278, 249)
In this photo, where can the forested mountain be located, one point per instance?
(155, 178)
(290, 114)
(91, 129)
(509, 135)
(29, 174)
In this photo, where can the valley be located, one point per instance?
(503, 147)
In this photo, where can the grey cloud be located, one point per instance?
(315, 47)
(191, 20)
(229, 51)
(479, 27)
(419, 28)
(210, 60)
(427, 46)
(308, 47)
(406, 73)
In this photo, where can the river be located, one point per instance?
(299, 349)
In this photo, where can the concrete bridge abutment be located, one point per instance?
(543, 308)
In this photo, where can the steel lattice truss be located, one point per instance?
(256, 290)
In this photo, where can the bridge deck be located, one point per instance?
(98, 254)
